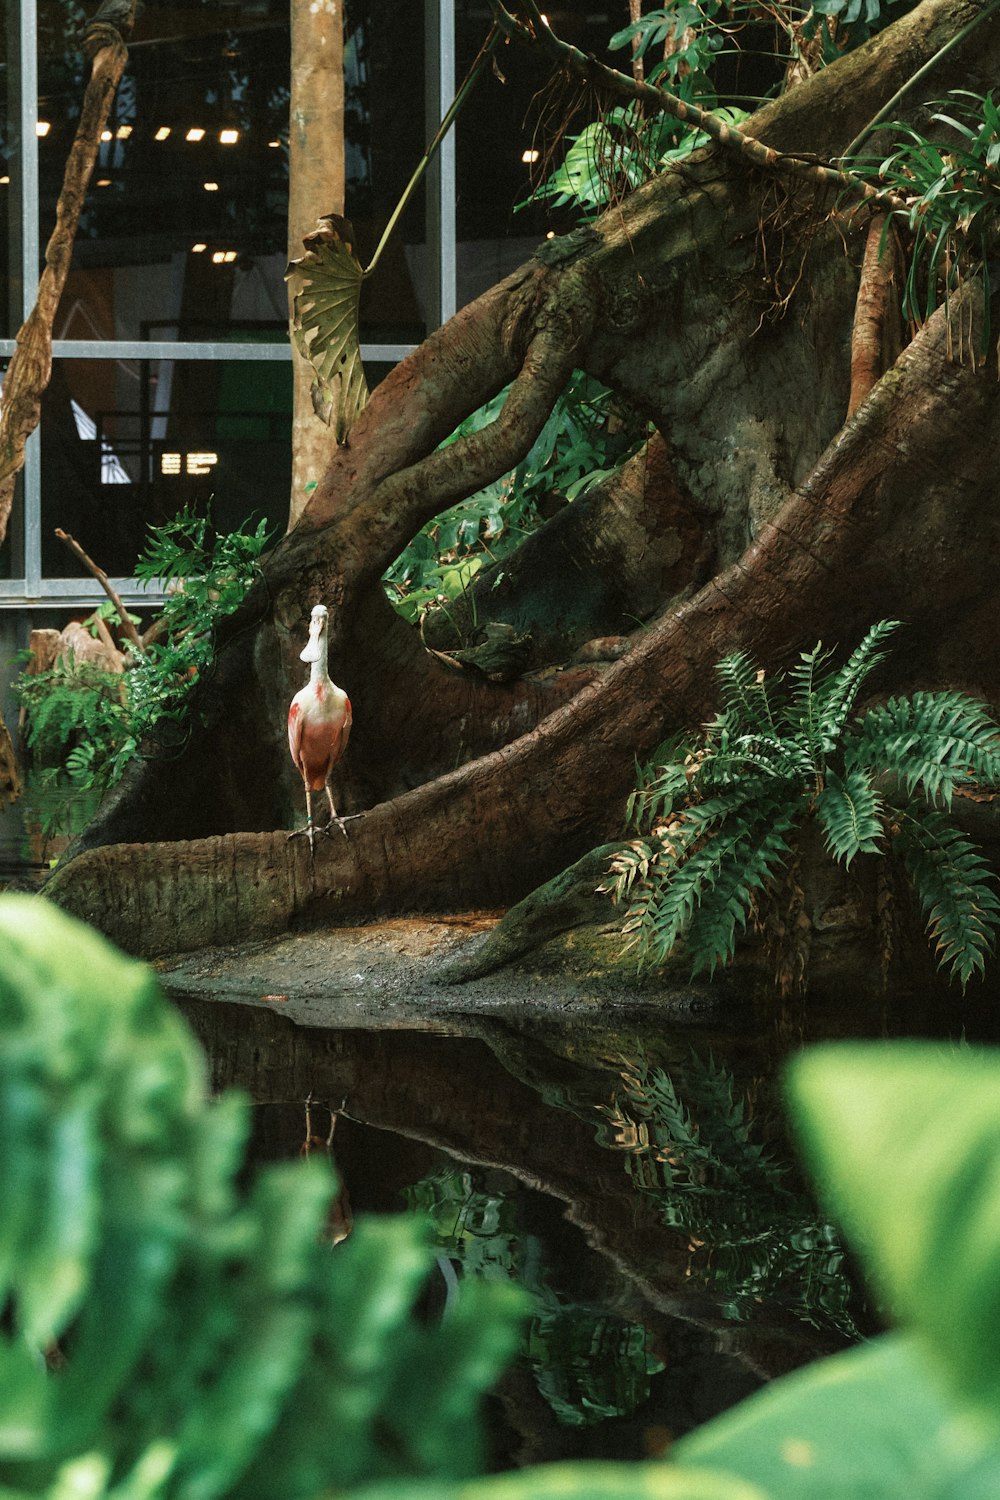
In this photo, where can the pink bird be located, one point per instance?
(319, 724)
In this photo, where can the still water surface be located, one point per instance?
(642, 1191)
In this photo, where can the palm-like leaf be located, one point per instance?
(955, 888)
(326, 294)
(934, 741)
(850, 813)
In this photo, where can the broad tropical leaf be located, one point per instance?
(850, 813)
(326, 291)
(581, 1481)
(870, 1424)
(902, 1140)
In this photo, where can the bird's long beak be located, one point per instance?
(312, 649)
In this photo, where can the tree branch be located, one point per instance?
(106, 585)
(31, 366)
(621, 86)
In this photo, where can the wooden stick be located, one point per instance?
(106, 585)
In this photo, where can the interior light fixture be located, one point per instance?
(550, 234)
(530, 155)
(197, 249)
(274, 144)
(105, 135)
(123, 132)
(162, 133)
(201, 463)
(195, 133)
(4, 181)
(228, 137)
(103, 182)
(210, 187)
(229, 255)
(42, 127)
(218, 256)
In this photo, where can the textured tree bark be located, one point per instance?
(316, 186)
(679, 298)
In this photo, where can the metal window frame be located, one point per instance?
(33, 589)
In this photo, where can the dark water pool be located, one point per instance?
(641, 1190)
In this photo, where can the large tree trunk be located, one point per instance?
(721, 302)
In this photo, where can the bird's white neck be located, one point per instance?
(316, 649)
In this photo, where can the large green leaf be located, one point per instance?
(580, 1481)
(905, 1146)
(871, 1424)
(326, 296)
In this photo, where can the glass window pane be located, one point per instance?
(129, 443)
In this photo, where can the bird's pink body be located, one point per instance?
(319, 724)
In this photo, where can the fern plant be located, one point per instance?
(717, 819)
(83, 724)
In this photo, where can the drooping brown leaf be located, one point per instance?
(326, 295)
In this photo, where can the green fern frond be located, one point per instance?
(932, 741)
(803, 713)
(839, 693)
(851, 815)
(746, 695)
(732, 870)
(767, 758)
(955, 888)
(661, 785)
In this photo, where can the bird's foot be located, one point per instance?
(310, 833)
(338, 822)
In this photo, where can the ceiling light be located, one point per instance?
(229, 255)
(273, 144)
(162, 133)
(229, 137)
(123, 132)
(105, 135)
(218, 256)
(42, 127)
(197, 249)
(195, 133)
(210, 187)
(4, 181)
(103, 182)
(529, 156)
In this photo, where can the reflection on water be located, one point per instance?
(637, 1185)
(753, 1239)
(588, 1364)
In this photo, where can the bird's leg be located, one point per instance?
(310, 829)
(335, 816)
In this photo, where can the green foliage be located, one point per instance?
(83, 724)
(166, 1332)
(717, 820)
(902, 1141)
(951, 206)
(169, 1333)
(586, 437)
